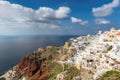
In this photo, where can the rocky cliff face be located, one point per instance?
(94, 57)
(37, 66)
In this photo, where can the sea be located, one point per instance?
(13, 48)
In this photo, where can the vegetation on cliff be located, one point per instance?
(44, 64)
(110, 75)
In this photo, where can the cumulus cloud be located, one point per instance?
(49, 13)
(79, 21)
(62, 12)
(106, 9)
(14, 15)
(102, 21)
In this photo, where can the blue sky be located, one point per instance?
(58, 17)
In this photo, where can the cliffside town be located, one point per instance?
(91, 57)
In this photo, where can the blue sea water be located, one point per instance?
(13, 48)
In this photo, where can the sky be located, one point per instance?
(58, 17)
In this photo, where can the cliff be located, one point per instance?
(91, 57)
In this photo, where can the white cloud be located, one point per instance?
(106, 9)
(79, 21)
(49, 13)
(102, 21)
(62, 12)
(14, 16)
(75, 20)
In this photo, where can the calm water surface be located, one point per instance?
(12, 49)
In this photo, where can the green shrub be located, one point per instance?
(56, 68)
(65, 66)
(109, 48)
(54, 52)
(110, 75)
(71, 72)
(50, 54)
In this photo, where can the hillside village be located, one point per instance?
(83, 58)
(98, 53)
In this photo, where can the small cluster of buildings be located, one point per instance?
(112, 34)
